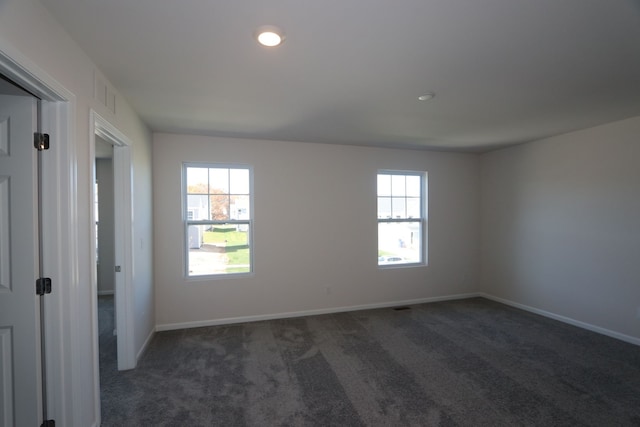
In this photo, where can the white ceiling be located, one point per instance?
(350, 71)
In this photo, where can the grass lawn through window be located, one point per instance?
(234, 244)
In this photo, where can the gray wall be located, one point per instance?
(552, 225)
(561, 225)
(315, 227)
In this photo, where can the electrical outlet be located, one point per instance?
(328, 290)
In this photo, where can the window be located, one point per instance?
(401, 218)
(217, 219)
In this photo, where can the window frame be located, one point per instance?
(189, 222)
(422, 220)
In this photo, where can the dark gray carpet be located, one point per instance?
(469, 363)
(107, 341)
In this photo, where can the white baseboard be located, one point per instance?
(564, 319)
(101, 293)
(243, 319)
(145, 345)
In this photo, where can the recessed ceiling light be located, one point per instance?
(427, 96)
(269, 35)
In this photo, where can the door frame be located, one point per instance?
(122, 198)
(60, 235)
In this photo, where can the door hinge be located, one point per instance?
(41, 141)
(43, 286)
(118, 269)
(48, 423)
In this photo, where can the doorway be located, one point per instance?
(104, 213)
(64, 338)
(112, 260)
(21, 344)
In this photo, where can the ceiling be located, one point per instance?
(350, 71)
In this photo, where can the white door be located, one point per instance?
(20, 388)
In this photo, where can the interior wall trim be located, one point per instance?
(145, 345)
(104, 293)
(593, 328)
(286, 315)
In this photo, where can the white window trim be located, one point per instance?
(423, 220)
(186, 222)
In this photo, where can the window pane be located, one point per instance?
(217, 194)
(194, 237)
(400, 218)
(197, 180)
(239, 181)
(197, 207)
(413, 207)
(384, 185)
(398, 185)
(219, 249)
(399, 208)
(219, 207)
(399, 243)
(384, 207)
(219, 181)
(240, 208)
(413, 186)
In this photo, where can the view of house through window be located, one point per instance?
(401, 217)
(217, 217)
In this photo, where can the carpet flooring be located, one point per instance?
(469, 362)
